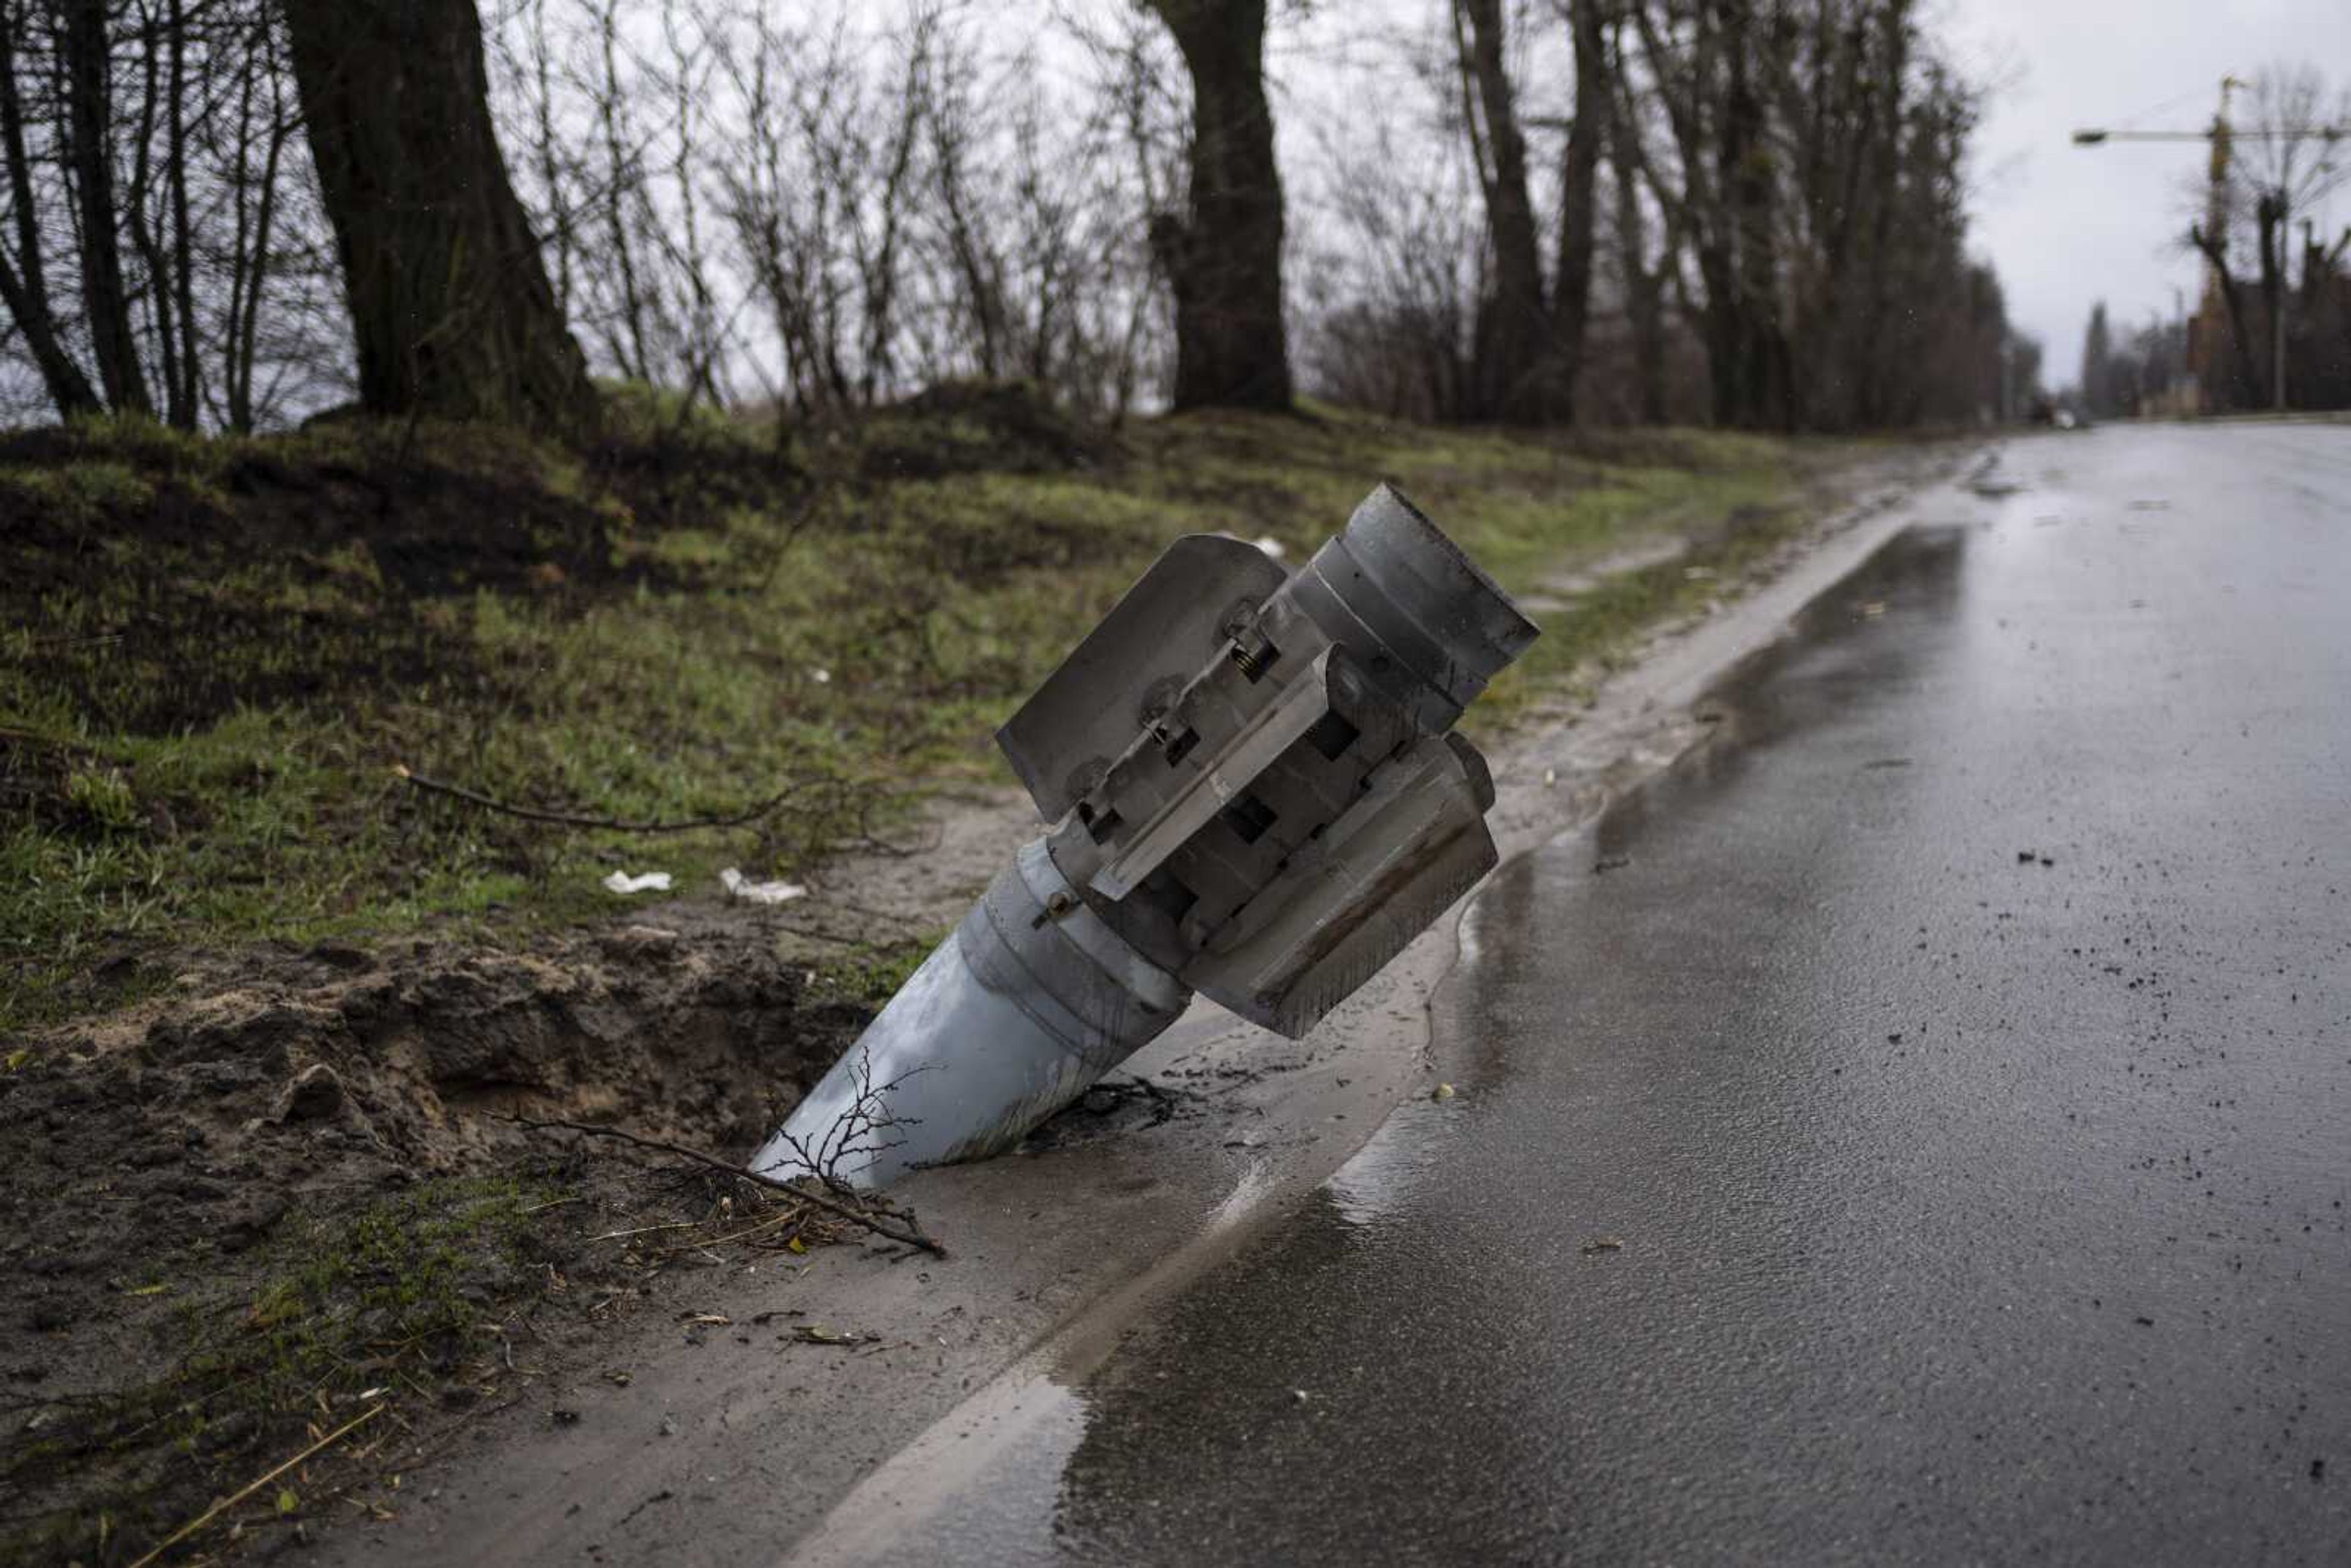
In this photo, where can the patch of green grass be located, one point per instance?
(216, 651)
(1604, 625)
(402, 1271)
(873, 974)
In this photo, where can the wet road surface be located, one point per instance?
(1918, 1126)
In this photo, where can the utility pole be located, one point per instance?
(2277, 314)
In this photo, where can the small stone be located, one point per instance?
(1442, 1092)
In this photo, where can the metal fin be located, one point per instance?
(1337, 914)
(1168, 624)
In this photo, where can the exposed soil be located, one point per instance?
(321, 1129)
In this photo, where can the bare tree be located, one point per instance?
(2289, 170)
(1642, 282)
(833, 208)
(1814, 166)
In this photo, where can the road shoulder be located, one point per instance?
(772, 1407)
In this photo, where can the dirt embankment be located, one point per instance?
(234, 1210)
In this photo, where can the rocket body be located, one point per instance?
(1255, 794)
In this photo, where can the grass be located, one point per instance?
(385, 1296)
(216, 651)
(872, 973)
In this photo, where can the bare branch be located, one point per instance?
(880, 1219)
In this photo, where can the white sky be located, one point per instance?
(2067, 225)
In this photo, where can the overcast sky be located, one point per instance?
(2067, 225)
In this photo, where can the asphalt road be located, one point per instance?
(1915, 1127)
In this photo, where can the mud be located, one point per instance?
(162, 1172)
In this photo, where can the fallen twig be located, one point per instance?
(892, 1226)
(646, 1229)
(611, 824)
(771, 1223)
(247, 1490)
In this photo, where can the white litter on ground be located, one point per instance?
(743, 887)
(637, 882)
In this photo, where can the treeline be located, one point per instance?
(230, 214)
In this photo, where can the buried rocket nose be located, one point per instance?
(1012, 1018)
(949, 1070)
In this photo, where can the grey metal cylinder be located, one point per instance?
(1431, 626)
(1030, 1001)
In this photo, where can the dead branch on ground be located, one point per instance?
(767, 807)
(255, 1485)
(887, 1223)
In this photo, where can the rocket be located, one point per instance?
(1255, 794)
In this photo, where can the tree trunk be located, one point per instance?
(1886, 196)
(451, 308)
(2248, 379)
(106, 304)
(2268, 217)
(1708, 166)
(1759, 378)
(24, 287)
(1512, 377)
(1643, 285)
(1223, 259)
(1571, 307)
(190, 393)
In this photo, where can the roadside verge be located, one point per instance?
(806, 1411)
